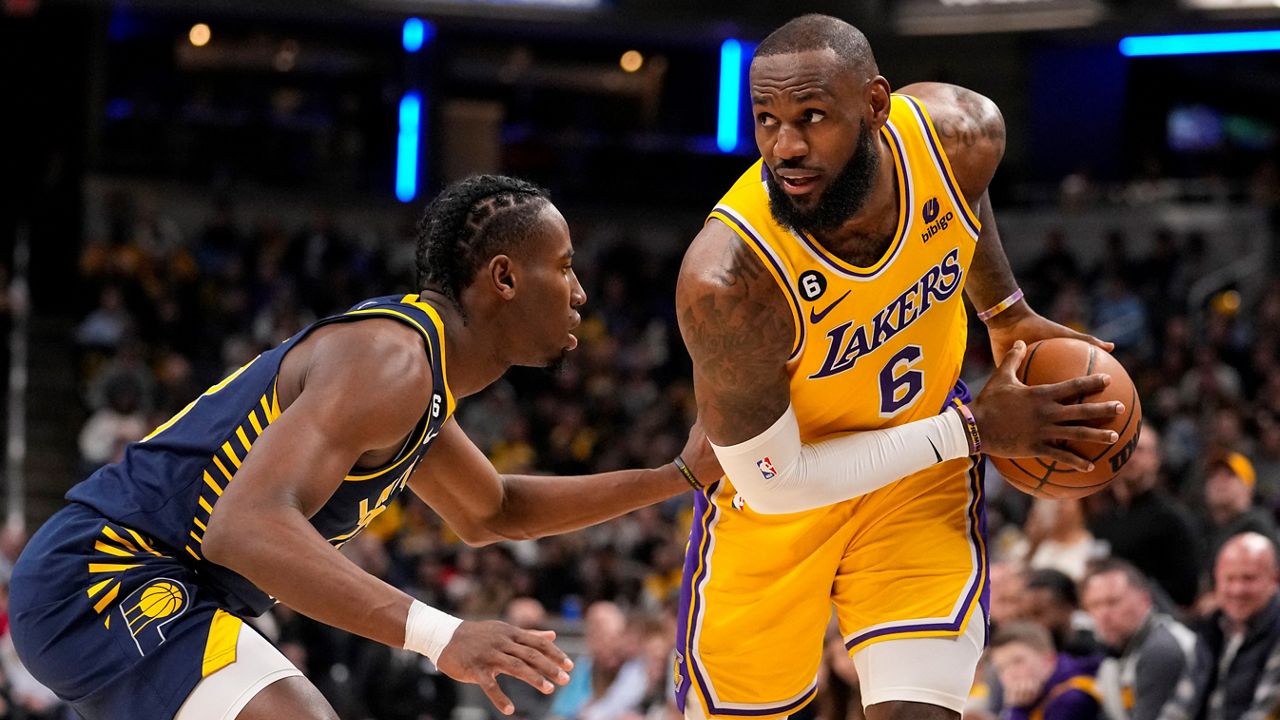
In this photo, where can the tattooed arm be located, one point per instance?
(739, 331)
(972, 131)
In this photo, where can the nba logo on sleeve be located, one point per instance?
(766, 468)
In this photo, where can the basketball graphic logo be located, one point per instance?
(150, 608)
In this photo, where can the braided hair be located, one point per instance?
(470, 222)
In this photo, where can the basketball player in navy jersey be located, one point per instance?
(128, 602)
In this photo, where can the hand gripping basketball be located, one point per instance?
(480, 651)
(1022, 421)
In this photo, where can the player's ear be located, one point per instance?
(502, 276)
(877, 97)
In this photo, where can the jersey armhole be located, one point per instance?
(748, 236)
(935, 147)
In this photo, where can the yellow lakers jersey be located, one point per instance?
(882, 345)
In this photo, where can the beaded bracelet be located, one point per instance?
(1001, 306)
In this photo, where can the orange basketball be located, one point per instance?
(1055, 360)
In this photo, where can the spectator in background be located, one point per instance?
(1152, 652)
(1038, 683)
(1057, 538)
(1266, 460)
(1243, 635)
(104, 326)
(1052, 603)
(1008, 593)
(610, 680)
(113, 426)
(1147, 526)
(1120, 315)
(1228, 495)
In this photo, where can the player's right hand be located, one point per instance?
(480, 651)
(1017, 420)
(699, 456)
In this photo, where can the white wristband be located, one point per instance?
(428, 630)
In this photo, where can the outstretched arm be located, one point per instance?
(483, 506)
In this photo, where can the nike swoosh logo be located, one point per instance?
(816, 317)
(935, 449)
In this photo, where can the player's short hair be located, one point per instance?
(818, 32)
(1132, 575)
(1028, 633)
(468, 223)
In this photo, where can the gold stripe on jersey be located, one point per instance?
(220, 648)
(142, 543)
(230, 453)
(225, 463)
(437, 350)
(113, 535)
(225, 382)
(106, 600)
(113, 545)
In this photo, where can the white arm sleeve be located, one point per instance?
(776, 473)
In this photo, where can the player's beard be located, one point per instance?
(843, 197)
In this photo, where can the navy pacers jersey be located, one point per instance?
(168, 485)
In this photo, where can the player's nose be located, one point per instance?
(790, 144)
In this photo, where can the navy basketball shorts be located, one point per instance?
(113, 622)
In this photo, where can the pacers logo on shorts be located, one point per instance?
(150, 608)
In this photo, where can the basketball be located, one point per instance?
(1056, 360)
(160, 600)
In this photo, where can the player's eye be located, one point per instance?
(766, 120)
(814, 116)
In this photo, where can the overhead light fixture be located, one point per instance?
(631, 61)
(407, 147)
(962, 17)
(730, 88)
(1229, 4)
(199, 35)
(1200, 43)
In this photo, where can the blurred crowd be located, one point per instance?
(1090, 600)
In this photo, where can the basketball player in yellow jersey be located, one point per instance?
(822, 307)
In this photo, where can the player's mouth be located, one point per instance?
(573, 339)
(798, 182)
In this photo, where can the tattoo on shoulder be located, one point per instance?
(740, 332)
(740, 266)
(973, 120)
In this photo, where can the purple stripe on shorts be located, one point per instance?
(977, 535)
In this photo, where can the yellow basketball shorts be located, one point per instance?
(908, 560)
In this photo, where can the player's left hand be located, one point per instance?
(1023, 323)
